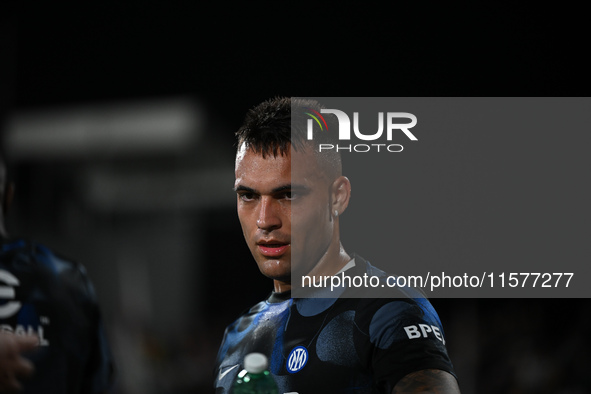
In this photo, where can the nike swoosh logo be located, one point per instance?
(222, 374)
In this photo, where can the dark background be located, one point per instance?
(170, 270)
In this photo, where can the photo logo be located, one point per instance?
(297, 359)
(315, 117)
(390, 123)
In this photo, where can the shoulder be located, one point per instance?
(32, 260)
(405, 333)
(270, 307)
(390, 315)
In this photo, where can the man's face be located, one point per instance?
(281, 200)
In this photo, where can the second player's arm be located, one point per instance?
(428, 381)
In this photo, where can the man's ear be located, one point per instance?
(341, 193)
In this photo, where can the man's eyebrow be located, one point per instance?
(282, 188)
(279, 189)
(297, 188)
(244, 188)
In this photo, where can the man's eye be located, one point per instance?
(246, 196)
(289, 195)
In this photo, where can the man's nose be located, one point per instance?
(269, 218)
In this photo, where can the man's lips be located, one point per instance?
(271, 249)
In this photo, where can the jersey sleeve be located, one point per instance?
(407, 336)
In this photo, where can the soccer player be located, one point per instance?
(49, 309)
(289, 200)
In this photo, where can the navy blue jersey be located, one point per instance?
(336, 345)
(51, 297)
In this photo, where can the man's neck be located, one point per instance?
(329, 265)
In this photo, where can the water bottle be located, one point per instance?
(255, 378)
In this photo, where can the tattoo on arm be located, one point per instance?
(427, 381)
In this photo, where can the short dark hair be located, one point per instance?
(275, 125)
